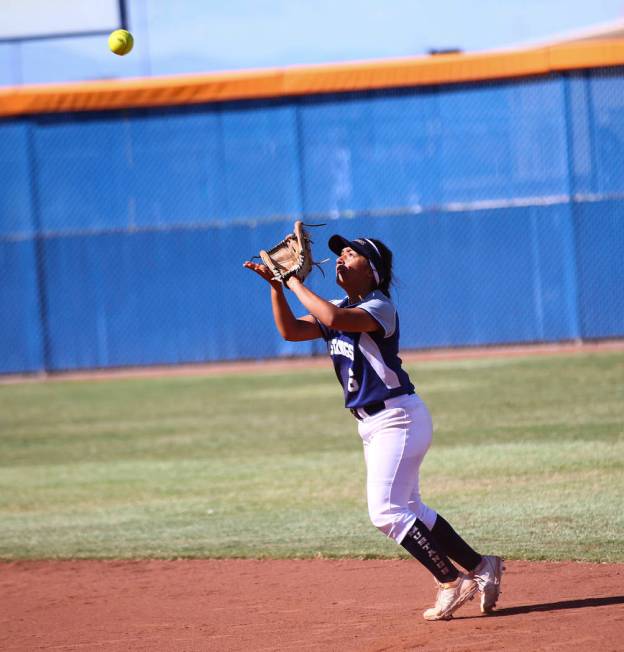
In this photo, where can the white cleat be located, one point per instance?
(451, 596)
(487, 575)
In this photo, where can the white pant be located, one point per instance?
(395, 442)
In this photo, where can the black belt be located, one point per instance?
(372, 408)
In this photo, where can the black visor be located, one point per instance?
(365, 247)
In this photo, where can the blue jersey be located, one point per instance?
(368, 364)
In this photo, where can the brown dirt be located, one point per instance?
(299, 605)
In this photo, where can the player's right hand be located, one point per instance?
(263, 271)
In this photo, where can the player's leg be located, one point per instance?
(394, 451)
(395, 444)
(486, 569)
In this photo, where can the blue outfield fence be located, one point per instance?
(122, 233)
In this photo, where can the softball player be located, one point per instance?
(362, 335)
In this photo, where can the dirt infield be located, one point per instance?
(299, 605)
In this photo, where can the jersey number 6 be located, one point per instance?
(352, 385)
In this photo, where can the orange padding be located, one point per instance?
(308, 80)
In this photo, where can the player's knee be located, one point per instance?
(389, 520)
(393, 520)
(381, 522)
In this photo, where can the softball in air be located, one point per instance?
(120, 42)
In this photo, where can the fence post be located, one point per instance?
(570, 259)
(39, 244)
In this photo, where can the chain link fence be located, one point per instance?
(122, 233)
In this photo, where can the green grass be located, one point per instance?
(527, 461)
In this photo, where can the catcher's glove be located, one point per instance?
(290, 257)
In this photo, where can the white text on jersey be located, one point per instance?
(340, 347)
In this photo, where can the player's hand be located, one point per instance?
(264, 272)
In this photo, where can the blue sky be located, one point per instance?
(191, 36)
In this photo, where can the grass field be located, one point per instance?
(527, 461)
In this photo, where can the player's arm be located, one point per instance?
(289, 327)
(354, 320)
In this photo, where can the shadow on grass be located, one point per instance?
(557, 606)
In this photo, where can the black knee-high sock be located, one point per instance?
(421, 544)
(454, 546)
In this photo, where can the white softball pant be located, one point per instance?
(395, 443)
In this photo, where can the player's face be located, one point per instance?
(352, 269)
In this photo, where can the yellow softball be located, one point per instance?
(120, 42)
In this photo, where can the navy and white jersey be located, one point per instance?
(367, 364)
